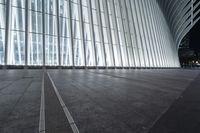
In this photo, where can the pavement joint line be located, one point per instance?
(42, 110)
(12, 82)
(17, 102)
(122, 77)
(172, 104)
(65, 109)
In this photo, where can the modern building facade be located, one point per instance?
(94, 33)
(181, 16)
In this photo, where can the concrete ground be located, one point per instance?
(99, 101)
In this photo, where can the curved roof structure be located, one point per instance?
(181, 16)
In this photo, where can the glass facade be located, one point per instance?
(91, 33)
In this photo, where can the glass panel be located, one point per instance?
(94, 14)
(90, 53)
(85, 14)
(63, 10)
(2, 16)
(87, 34)
(36, 5)
(64, 32)
(109, 60)
(50, 25)
(35, 22)
(66, 52)
(35, 49)
(18, 3)
(130, 54)
(18, 19)
(51, 50)
(76, 29)
(78, 53)
(3, 1)
(16, 50)
(74, 10)
(50, 6)
(124, 56)
(84, 2)
(93, 2)
(100, 55)
(117, 55)
(96, 33)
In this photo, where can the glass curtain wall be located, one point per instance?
(91, 33)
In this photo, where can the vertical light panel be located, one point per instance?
(35, 46)
(127, 33)
(121, 32)
(114, 33)
(106, 34)
(98, 33)
(145, 34)
(88, 34)
(64, 25)
(156, 35)
(132, 34)
(153, 36)
(90, 16)
(76, 34)
(16, 45)
(149, 34)
(51, 33)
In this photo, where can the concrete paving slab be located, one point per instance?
(20, 102)
(120, 101)
(134, 103)
(55, 119)
(183, 115)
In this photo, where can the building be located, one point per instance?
(94, 33)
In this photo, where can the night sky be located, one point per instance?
(195, 37)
